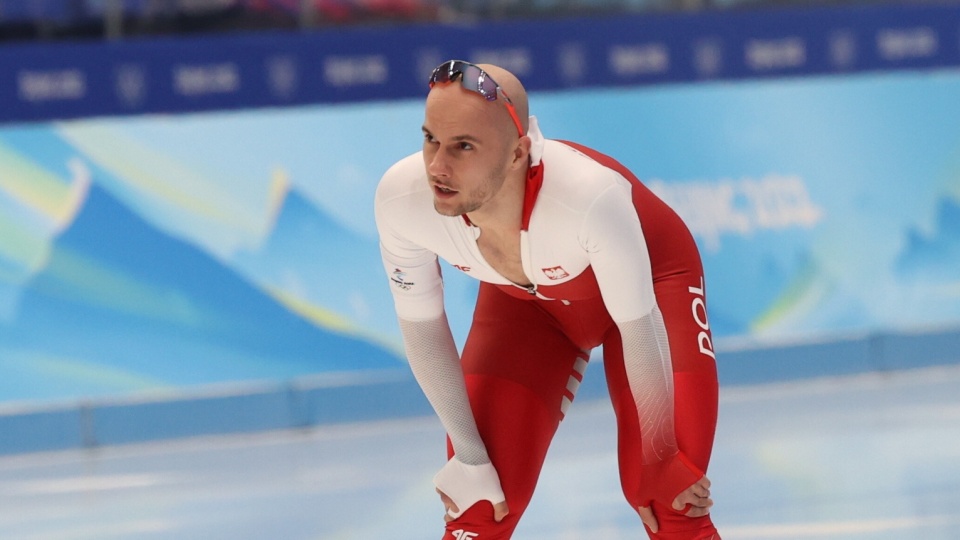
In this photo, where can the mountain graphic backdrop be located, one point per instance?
(934, 257)
(162, 251)
(309, 260)
(121, 307)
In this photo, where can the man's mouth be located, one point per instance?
(443, 190)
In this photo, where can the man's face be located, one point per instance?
(466, 151)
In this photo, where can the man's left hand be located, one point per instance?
(695, 500)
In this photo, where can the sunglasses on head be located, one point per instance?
(476, 80)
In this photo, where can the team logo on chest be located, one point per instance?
(555, 272)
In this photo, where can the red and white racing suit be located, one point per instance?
(611, 265)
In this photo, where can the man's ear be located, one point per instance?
(521, 153)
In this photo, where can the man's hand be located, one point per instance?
(500, 509)
(697, 497)
(461, 486)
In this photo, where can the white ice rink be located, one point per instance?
(868, 457)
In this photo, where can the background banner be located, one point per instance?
(152, 252)
(186, 74)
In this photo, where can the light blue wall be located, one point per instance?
(170, 276)
(158, 253)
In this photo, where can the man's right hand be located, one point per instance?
(500, 509)
(461, 486)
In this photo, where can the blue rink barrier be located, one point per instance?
(40, 82)
(358, 397)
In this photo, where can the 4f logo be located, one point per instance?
(461, 534)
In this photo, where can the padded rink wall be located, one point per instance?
(313, 402)
(169, 207)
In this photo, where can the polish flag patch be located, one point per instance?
(555, 273)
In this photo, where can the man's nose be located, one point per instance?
(437, 165)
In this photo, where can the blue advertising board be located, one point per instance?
(185, 74)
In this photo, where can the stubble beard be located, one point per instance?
(474, 199)
(458, 210)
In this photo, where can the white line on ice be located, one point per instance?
(832, 528)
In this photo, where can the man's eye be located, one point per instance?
(466, 146)
(428, 138)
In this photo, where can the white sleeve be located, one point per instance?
(413, 273)
(469, 476)
(613, 238)
(436, 365)
(417, 288)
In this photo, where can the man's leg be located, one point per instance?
(695, 398)
(521, 374)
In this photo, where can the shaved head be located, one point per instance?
(500, 118)
(514, 89)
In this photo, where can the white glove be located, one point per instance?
(467, 485)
